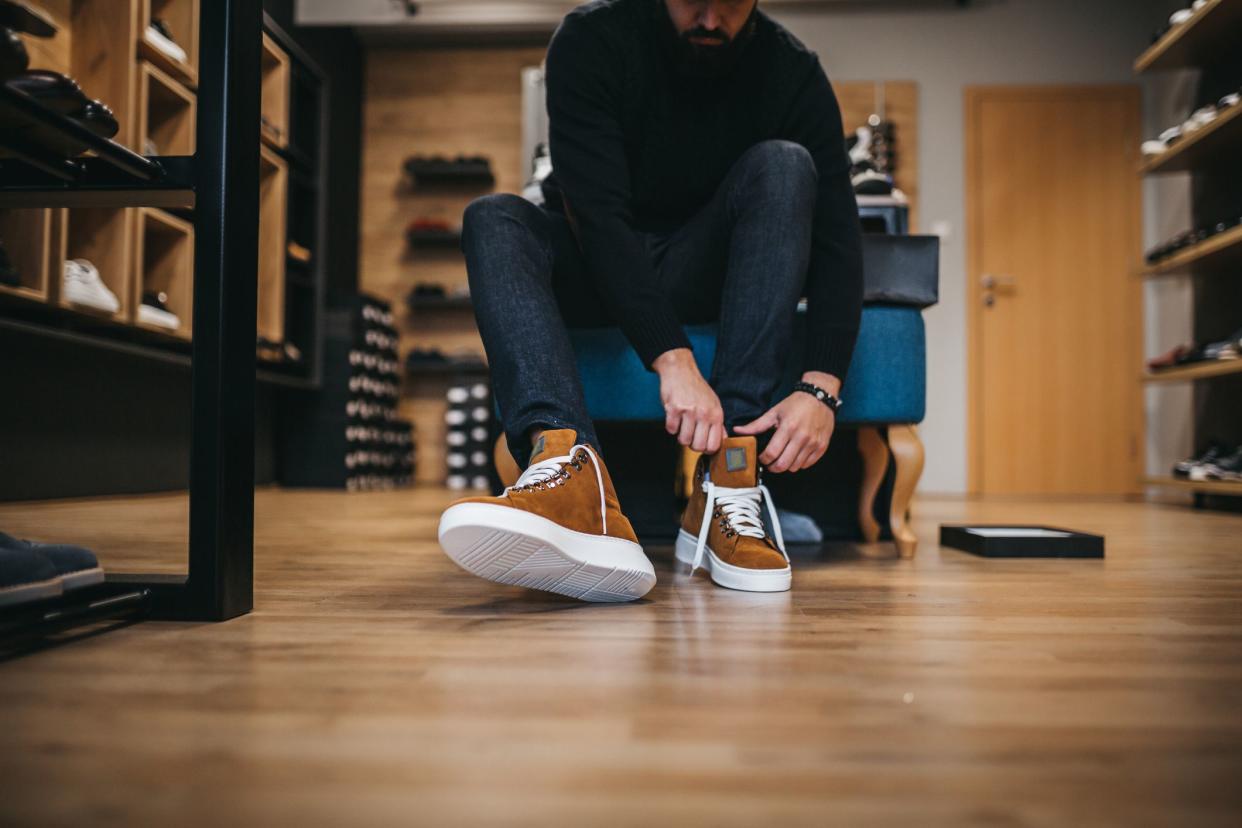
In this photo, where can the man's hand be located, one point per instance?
(803, 424)
(691, 408)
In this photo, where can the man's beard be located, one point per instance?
(715, 60)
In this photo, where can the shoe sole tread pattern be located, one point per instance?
(525, 550)
(729, 576)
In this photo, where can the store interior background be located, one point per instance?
(123, 425)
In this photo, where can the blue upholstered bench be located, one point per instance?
(886, 387)
(885, 393)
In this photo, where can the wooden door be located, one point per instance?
(1053, 221)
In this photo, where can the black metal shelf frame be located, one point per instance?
(219, 182)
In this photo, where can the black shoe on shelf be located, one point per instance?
(98, 118)
(1228, 467)
(1228, 348)
(23, 17)
(420, 358)
(1186, 468)
(57, 92)
(75, 566)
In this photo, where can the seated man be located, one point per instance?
(701, 156)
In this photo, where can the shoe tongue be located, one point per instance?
(736, 465)
(553, 443)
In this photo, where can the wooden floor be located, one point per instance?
(377, 684)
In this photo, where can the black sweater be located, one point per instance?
(638, 145)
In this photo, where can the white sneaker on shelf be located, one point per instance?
(151, 315)
(168, 47)
(82, 286)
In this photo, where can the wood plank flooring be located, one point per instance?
(376, 684)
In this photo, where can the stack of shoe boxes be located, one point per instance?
(349, 435)
(467, 418)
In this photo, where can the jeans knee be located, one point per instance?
(490, 212)
(501, 227)
(781, 168)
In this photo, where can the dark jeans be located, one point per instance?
(741, 260)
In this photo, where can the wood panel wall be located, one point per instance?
(468, 101)
(432, 101)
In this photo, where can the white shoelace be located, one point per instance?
(551, 472)
(741, 507)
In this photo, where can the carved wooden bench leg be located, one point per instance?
(875, 463)
(903, 441)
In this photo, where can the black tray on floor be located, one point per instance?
(1016, 541)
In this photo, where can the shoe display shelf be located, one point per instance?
(1211, 31)
(27, 239)
(437, 239)
(1228, 488)
(165, 252)
(435, 172)
(1219, 138)
(38, 178)
(1196, 371)
(435, 303)
(1207, 41)
(448, 368)
(156, 107)
(468, 436)
(273, 195)
(181, 17)
(274, 115)
(1222, 252)
(166, 112)
(349, 435)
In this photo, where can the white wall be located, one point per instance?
(946, 49)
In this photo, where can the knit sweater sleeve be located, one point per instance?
(834, 284)
(585, 77)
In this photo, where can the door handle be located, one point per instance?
(991, 282)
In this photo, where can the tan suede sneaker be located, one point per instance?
(722, 527)
(559, 528)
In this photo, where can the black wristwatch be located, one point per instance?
(819, 394)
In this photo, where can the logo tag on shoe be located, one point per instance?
(735, 459)
(538, 449)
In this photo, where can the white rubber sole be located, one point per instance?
(25, 593)
(730, 576)
(513, 547)
(83, 578)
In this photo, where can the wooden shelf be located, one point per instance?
(274, 109)
(1202, 370)
(273, 199)
(164, 262)
(182, 19)
(1218, 487)
(1207, 36)
(418, 303)
(1220, 250)
(166, 112)
(27, 236)
(1219, 138)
